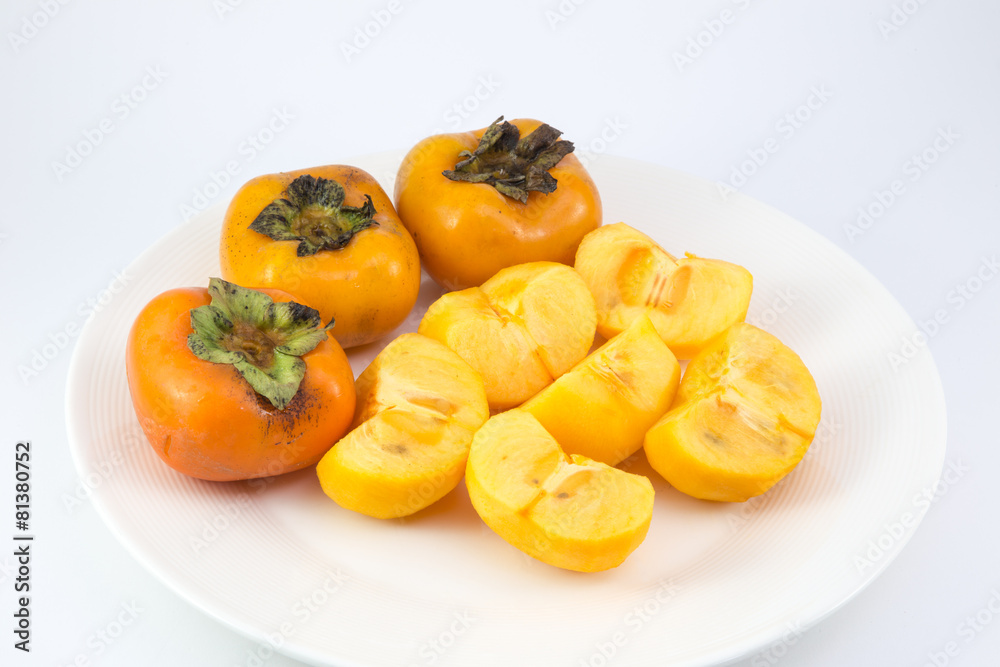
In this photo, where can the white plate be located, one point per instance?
(279, 562)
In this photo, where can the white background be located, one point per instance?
(182, 87)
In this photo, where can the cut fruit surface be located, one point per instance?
(689, 299)
(567, 511)
(603, 407)
(521, 329)
(744, 416)
(419, 405)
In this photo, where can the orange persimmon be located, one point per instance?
(330, 236)
(477, 202)
(230, 383)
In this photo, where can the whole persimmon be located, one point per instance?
(230, 383)
(330, 236)
(477, 202)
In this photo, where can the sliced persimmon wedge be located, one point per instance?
(603, 407)
(689, 299)
(418, 407)
(521, 329)
(744, 416)
(565, 510)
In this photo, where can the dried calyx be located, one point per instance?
(513, 165)
(313, 213)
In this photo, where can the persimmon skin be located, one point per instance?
(368, 287)
(204, 420)
(466, 232)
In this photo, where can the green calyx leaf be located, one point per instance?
(513, 165)
(312, 212)
(262, 339)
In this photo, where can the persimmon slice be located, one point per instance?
(744, 416)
